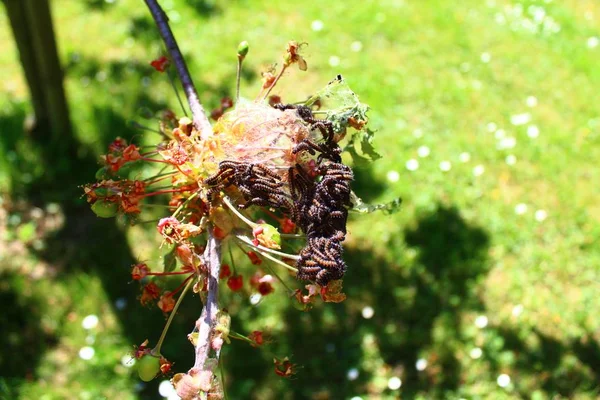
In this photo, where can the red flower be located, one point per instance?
(226, 102)
(173, 152)
(160, 64)
(216, 113)
(167, 228)
(219, 233)
(225, 271)
(139, 271)
(274, 99)
(235, 283)
(149, 293)
(288, 226)
(117, 146)
(265, 288)
(165, 366)
(257, 339)
(262, 283)
(166, 302)
(254, 258)
(131, 153)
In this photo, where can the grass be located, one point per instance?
(457, 77)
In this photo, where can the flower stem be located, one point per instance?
(239, 214)
(231, 260)
(292, 235)
(178, 210)
(171, 316)
(283, 68)
(271, 270)
(261, 248)
(176, 93)
(237, 80)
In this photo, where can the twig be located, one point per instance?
(212, 258)
(212, 253)
(201, 121)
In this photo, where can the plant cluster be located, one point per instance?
(268, 179)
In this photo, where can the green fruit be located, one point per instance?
(105, 209)
(148, 367)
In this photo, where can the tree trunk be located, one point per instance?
(31, 24)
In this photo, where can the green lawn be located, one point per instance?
(487, 280)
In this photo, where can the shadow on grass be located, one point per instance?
(333, 341)
(204, 8)
(558, 368)
(43, 172)
(22, 334)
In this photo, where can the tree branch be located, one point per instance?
(201, 122)
(212, 258)
(212, 253)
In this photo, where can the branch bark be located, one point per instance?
(212, 253)
(200, 119)
(212, 258)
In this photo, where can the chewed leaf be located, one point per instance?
(361, 207)
(341, 103)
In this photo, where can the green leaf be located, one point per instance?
(361, 207)
(169, 261)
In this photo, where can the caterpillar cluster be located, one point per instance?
(318, 207)
(322, 216)
(321, 205)
(258, 184)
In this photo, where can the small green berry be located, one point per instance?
(105, 209)
(148, 367)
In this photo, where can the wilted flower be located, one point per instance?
(150, 292)
(284, 367)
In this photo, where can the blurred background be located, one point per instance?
(483, 286)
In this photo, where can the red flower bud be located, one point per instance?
(254, 258)
(219, 233)
(288, 226)
(139, 271)
(257, 339)
(160, 64)
(265, 288)
(185, 255)
(235, 283)
(225, 271)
